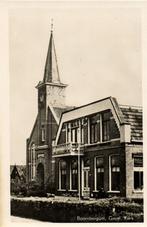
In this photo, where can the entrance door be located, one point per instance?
(86, 186)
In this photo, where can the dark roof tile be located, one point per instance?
(133, 116)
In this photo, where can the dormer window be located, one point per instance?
(74, 132)
(95, 128)
(106, 126)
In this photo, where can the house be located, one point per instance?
(17, 177)
(87, 149)
(99, 147)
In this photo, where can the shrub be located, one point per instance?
(55, 210)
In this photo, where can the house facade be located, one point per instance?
(84, 150)
(99, 147)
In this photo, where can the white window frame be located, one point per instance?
(136, 169)
(60, 189)
(110, 177)
(95, 173)
(70, 175)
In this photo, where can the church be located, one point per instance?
(85, 150)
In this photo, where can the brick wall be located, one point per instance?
(130, 150)
(100, 150)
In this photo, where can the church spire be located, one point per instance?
(51, 72)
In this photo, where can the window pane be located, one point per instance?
(138, 180)
(63, 174)
(62, 165)
(74, 180)
(99, 173)
(74, 172)
(115, 173)
(106, 126)
(115, 160)
(115, 181)
(100, 180)
(87, 162)
(63, 181)
(95, 128)
(106, 134)
(138, 161)
(100, 162)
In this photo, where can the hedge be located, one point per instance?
(54, 210)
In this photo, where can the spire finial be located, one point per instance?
(52, 25)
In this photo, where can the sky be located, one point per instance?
(99, 54)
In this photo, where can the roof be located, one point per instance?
(59, 111)
(123, 114)
(89, 109)
(133, 116)
(20, 168)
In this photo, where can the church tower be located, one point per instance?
(51, 103)
(51, 92)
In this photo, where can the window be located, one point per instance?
(74, 174)
(99, 173)
(95, 128)
(43, 134)
(33, 161)
(114, 173)
(62, 174)
(86, 173)
(82, 131)
(138, 172)
(74, 132)
(106, 126)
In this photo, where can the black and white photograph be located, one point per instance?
(76, 113)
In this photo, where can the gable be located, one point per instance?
(99, 106)
(34, 134)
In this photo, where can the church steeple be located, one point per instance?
(51, 91)
(51, 72)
